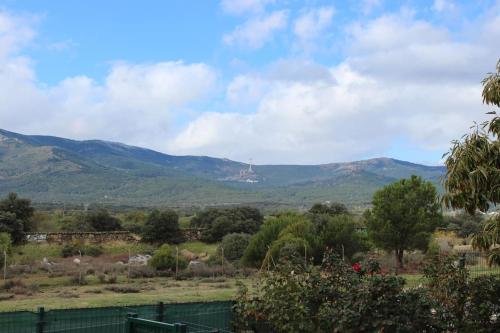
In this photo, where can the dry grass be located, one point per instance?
(54, 294)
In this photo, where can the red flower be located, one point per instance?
(357, 267)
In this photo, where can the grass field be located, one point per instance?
(54, 296)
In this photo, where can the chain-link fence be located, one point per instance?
(198, 317)
(477, 263)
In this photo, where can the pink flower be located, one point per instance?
(356, 267)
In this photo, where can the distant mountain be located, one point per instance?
(54, 170)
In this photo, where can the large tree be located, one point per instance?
(16, 217)
(472, 179)
(335, 208)
(403, 216)
(101, 220)
(162, 227)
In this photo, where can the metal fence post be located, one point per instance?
(129, 325)
(41, 320)
(180, 328)
(160, 308)
(461, 261)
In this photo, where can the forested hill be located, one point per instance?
(51, 169)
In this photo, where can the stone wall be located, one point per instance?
(191, 234)
(89, 237)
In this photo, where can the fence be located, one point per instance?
(198, 317)
(477, 263)
(139, 325)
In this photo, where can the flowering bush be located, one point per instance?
(336, 297)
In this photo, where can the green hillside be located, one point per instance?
(55, 170)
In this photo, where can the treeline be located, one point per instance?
(403, 217)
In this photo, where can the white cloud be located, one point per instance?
(311, 24)
(15, 33)
(237, 7)
(255, 32)
(399, 47)
(136, 103)
(402, 78)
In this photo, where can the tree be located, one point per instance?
(221, 226)
(403, 216)
(101, 220)
(9, 223)
(267, 234)
(334, 208)
(234, 245)
(472, 179)
(21, 207)
(219, 222)
(16, 217)
(162, 227)
(341, 235)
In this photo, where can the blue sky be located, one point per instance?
(276, 81)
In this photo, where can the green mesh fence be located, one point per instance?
(19, 322)
(198, 317)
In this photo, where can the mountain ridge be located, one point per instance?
(49, 169)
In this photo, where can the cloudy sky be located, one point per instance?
(275, 81)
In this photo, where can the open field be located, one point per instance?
(53, 295)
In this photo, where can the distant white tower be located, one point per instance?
(250, 166)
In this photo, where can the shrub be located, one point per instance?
(77, 248)
(162, 227)
(9, 284)
(16, 217)
(101, 220)
(219, 222)
(123, 289)
(142, 272)
(336, 298)
(334, 208)
(234, 245)
(288, 248)
(268, 233)
(483, 304)
(103, 278)
(340, 235)
(470, 304)
(78, 279)
(447, 283)
(164, 259)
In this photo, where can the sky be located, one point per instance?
(271, 81)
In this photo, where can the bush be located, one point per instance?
(162, 227)
(470, 304)
(336, 298)
(16, 217)
(219, 222)
(268, 233)
(123, 289)
(77, 248)
(142, 272)
(334, 208)
(165, 259)
(483, 304)
(234, 246)
(340, 235)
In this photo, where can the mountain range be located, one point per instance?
(50, 169)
